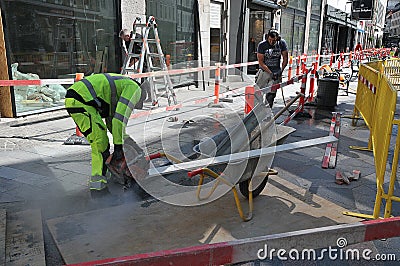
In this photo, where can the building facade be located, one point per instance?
(58, 38)
(391, 35)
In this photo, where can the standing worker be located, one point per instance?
(269, 54)
(126, 38)
(88, 101)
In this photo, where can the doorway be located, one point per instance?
(259, 23)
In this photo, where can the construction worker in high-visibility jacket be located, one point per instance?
(88, 101)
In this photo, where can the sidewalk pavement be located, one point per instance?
(38, 171)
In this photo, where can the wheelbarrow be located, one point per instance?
(240, 155)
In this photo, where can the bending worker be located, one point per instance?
(269, 54)
(88, 101)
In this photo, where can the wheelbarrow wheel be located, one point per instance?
(244, 187)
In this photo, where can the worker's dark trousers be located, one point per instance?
(264, 80)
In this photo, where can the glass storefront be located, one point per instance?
(293, 29)
(287, 21)
(176, 27)
(260, 23)
(298, 4)
(313, 37)
(53, 39)
(314, 26)
(316, 7)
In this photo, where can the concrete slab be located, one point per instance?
(24, 244)
(25, 177)
(150, 226)
(3, 217)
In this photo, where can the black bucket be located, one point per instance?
(327, 92)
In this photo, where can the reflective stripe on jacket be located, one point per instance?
(113, 95)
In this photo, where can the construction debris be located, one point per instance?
(346, 177)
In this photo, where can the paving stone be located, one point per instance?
(24, 177)
(3, 217)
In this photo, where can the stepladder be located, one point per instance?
(145, 54)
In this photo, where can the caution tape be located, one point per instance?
(41, 82)
(178, 106)
(275, 87)
(237, 92)
(35, 82)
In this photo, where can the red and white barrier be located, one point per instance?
(36, 82)
(216, 86)
(249, 99)
(180, 105)
(330, 155)
(237, 91)
(302, 100)
(300, 60)
(290, 67)
(335, 238)
(303, 88)
(312, 82)
(367, 83)
(334, 149)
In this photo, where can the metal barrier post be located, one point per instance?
(249, 99)
(312, 82)
(350, 57)
(216, 87)
(290, 67)
(304, 63)
(342, 58)
(303, 91)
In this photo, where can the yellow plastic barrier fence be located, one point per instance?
(368, 81)
(392, 72)
(377, 106)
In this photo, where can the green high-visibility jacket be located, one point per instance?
(113, 95)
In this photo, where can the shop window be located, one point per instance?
(260, 23)
(47, 42)
(316, 7)
(175, 28)
(313, 37)
(298, 4)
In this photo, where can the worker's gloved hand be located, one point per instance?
(118, 153)
(276, 75)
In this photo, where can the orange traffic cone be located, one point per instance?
(77, 138)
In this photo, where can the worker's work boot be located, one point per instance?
(97, 183)
(269, 98)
